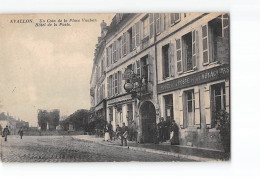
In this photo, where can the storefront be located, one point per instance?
(192, 101)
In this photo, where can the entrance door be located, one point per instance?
(148, 118)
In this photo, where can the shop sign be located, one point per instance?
(201, 77)
(119, 99)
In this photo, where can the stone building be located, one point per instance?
(176, 66)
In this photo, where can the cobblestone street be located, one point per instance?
(66, 149)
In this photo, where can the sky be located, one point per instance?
(47, 67)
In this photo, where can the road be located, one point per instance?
(67, 149)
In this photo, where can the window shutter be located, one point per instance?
(119, 82)
(150, 68)
(133, 36)
(107, 58)
(195, 48)
(162, 22)
(137, 26)
(113, 84)
(151, 25)
(138, 70)
(207, 102)
(171, 58)
(127, 43)
(205, 44)
(225, 26)
(197, 106)
(181, 109)
(179, 55)
(157, 20)
(108, 87)
(172, 18)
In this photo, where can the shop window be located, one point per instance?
(169, 107)
(218, 99)
(166, 63)
(189, 105)
(187, 51)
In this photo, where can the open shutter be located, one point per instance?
(151, 15)
(225, 26)
(179, 55)
(207, 102)
(171, 58)
(197, 106)
(138, 69)
(195, 48)
(205, 44)
(157, 20)
(162, 22)
(108, 62)
(119, 82)
(181, 109)
(137, 33)
(133, 37)
(108, 87)
(150, 68)
(127, 43)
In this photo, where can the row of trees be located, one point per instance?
(48, 118)
(84, 120)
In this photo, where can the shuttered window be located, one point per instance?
(157, 21)
(133, 36)
(205, 48)
(137, 41)
(119, 82)
(177, 17)
(179, 55)
(151, 24)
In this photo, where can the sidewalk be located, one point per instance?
(192, 153)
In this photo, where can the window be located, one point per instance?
(175, 18)
(145, 28)
(215, 38)
(189, 118)
(187, 51)
(110, 86)
(168, 107)
(165, 58)
(218, 99)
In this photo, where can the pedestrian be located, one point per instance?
(118, 131)
(6, 132)
(130, 132)
(174, 134)
(161, 130)
(20, 132)
(110, 130)
(106, 132)
(124, 134)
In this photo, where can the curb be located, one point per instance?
(180, 156)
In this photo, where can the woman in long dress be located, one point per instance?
(175, 132)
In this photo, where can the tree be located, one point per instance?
(42, 119)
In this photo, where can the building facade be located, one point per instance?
(178, 65)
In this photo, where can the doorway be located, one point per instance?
(148, 118)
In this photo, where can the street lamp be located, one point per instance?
(135, 85)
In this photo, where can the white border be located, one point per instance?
(245, 87)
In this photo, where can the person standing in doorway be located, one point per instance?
(6, 132)
(161, 130)
(20, 132)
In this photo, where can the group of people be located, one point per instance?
(168, 130)
(163, 131)
(6, 132)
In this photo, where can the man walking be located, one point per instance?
(6, 132)
(20, 132)
(124, 134)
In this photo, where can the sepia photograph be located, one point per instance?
(115, 87)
